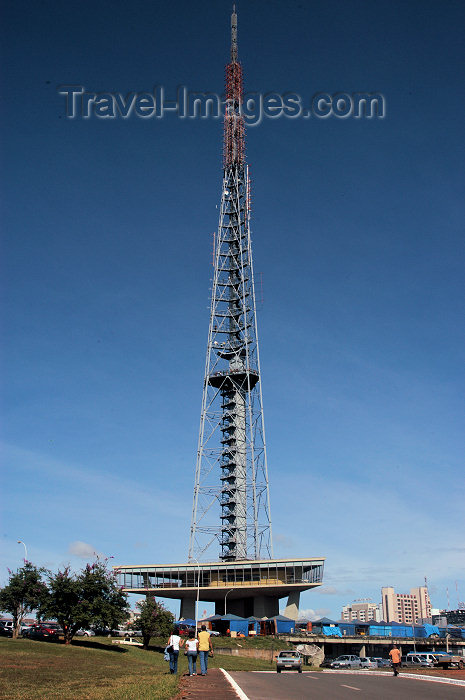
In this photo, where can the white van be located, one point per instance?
(421, 657)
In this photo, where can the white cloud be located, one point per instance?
(332, 590)
(310, 614)
(83, 550)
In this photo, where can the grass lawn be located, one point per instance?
(95, 669)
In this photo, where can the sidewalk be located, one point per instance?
(211, 687)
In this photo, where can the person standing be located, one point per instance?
(395, 659)
(205, 647)
(192, 646)
(174, 642)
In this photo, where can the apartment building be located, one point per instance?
(407, 608)
(363, 612)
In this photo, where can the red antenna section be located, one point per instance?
(234, 129)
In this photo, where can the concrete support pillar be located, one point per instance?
(187, 608)
(292, 607)
(265, 606)
(362, 651)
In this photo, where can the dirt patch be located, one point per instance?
(454, 673)
(210, 687)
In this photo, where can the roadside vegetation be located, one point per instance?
(96, 669)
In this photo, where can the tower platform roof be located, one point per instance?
(244, 579)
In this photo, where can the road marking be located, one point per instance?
(349, 686)
(314, 678)
(239, 692)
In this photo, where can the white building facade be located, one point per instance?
(361, 612)
(407, 608)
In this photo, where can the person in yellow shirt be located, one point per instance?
(205, 647)
(395, 659)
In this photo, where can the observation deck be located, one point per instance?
(234, 379)
(251, 586)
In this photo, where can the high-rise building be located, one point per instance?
(231, 505)
(407, 608)
(362, 612)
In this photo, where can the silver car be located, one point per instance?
(347, 661)
(368, 662)
(291, 660)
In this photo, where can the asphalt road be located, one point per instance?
(334, 686)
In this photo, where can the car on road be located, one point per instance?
(290, 660)
(347, 661)
(368, 662)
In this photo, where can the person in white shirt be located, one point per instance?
(192, 646)
(174, 642)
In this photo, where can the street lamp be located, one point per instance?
(198, 593)
(230, 591)
(25, 550)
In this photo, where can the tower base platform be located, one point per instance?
(244, 588)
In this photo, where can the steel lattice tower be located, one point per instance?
(231, 495)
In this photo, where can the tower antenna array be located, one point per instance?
(231, 504)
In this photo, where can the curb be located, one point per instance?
(417, 676)
(238, 690)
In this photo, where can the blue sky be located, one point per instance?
(357, 231)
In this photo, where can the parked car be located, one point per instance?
(5, 631)
(368, 662)
(414, 660)
(46, 630)
(347, 661)
(291, 660)
(446, 660)
(125, 633)
(8, 625)
(382, 663)
(85, 633)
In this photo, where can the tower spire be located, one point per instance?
(234, 35)
(231, 496)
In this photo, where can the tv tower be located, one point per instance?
(231, 508)
(231, 504)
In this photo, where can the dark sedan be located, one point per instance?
(45, 631)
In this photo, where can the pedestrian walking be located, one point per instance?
(174, 642)
(395, 659)
(205, 648)
(192, 648)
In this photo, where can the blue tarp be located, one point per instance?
(331, 631)
(241, 626)
(347, 628)
(254, 624)
(237, 624)
(380, 630)
(284, 625)
(188, 621)
(430, 629)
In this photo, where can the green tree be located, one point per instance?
(91, 597)
(24, 592)
(154, 620)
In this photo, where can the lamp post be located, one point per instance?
(198, 593)
(230, 591)
(25, 550)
